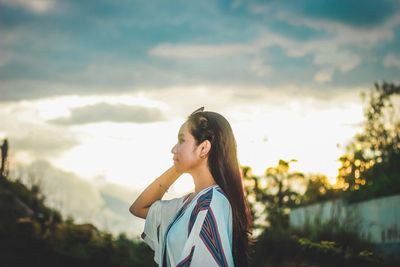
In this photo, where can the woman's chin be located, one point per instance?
(179, 168)
(176, 166)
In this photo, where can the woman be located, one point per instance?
(211, 226)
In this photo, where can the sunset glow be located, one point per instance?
(94, 93)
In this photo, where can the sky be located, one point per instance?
(99, 89)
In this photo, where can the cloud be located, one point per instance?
(3, 59)
(238, 99)
(340, 38)
(28, 134)
(324, 75)
(339, 59)
(43, 143)
(342, 34)
(37, 6)
(191, 51)
(259, 8)
(365, 14)
(259, 67)
(391, 60)
(101, 48)
(342, 48)
(106, 112)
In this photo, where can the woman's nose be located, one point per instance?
(173, 149)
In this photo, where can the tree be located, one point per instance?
(318, 189)
(272, 196)
(4, 159)
(372, 158)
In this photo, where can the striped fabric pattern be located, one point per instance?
(186, 261)
(207, 217)
(209, 231)
(203, 203)
(210, 236)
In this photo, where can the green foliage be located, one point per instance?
(33, 235)
(344, 235)
(322, 247)
(318, 189)
(327, 246)
(388, 185)
(273, 245)
(370, 168)
(274, 194)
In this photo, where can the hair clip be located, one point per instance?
(197, 111)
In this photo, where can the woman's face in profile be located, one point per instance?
(185, 156)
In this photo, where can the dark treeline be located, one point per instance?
(32, 234)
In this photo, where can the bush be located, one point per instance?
(48, 240)
(324, 245)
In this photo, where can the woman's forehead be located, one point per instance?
(184, 130)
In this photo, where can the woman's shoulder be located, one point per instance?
(220, 192)
(220, 205)
(212, 201)
(214, 197)
(219, 198)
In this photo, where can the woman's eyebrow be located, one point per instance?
(181, 135)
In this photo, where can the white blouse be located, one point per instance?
(195, 232)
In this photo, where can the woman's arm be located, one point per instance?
(154, 192)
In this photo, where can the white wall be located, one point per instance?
(377, 219)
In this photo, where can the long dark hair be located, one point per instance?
(224, 167)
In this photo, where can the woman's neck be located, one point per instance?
(202, 179)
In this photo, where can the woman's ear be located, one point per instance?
(205, 148)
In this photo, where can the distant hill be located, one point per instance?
(101, 203)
